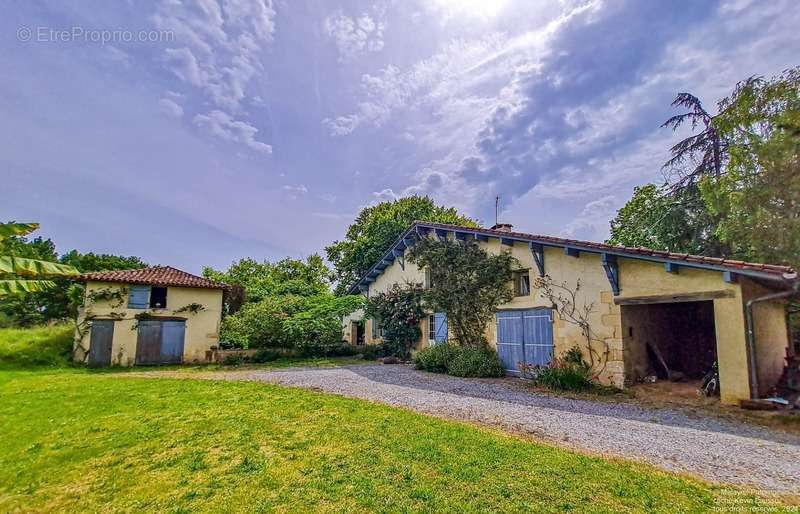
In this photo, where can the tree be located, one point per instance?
(23, 274)
(265, 279)
(675, 221)
(62, 299)
(467, 283)
(376, 228)
(757, 200)
(705, 151)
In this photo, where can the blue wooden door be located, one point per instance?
(440, 324)
(172, 337)
(510, 340)
(538, 333)
(524, 337)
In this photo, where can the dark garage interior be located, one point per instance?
(673, 341)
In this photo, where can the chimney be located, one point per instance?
(503, 227)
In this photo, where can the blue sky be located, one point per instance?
(203, 131)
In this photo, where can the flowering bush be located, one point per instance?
(399, 310)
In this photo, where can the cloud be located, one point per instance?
(225, 127)
(592, 220)
(170, 108)
(354, 36)
(217, 46)
(392, 89)
(299, 189)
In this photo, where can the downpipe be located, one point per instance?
(751, 336)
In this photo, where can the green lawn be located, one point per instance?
(73, 440)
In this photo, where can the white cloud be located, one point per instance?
(592, 220)
(354, 36)
(170, 108)
(225, 127)
(299, 189)
(218, 46)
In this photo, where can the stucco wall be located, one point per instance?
(202, 328)
(637, 278)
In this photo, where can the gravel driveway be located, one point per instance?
(714, 449)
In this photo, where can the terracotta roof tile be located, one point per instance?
(733, 265)
(155, 276)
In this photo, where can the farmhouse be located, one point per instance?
(158, 315)
(650, 312)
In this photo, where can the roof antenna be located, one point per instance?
(496, 209)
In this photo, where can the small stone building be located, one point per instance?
(650, 312)
(158, 315)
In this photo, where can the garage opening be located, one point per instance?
(672, 341)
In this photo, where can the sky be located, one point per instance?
(194, 133)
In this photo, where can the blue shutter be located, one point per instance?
(440, 319)
(139, 297)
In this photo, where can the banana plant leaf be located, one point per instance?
(9, 287)
(16, 229)
(34, 268)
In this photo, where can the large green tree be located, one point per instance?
(266, 279)
(657, 218)
(374, 230)
(467, 283)
(757, 199)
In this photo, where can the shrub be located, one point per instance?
(459, 361)
(265, 355)
(235, 359)
(374, 351)
(316, 329)
(568, 373)
(399, 310)
(434, 358)
(38, 346)
(260, 324)
(475, 363)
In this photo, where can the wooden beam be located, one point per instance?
(538, 257)
(730, 277)
(674, 298)
(572, 252)
(612, 271)
(671, 267)
(506, 241)
(441, 234)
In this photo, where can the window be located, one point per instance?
(428, 279)
(522, 283)
(431, 328)
(158, 297)
(377, 329)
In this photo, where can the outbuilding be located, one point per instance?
(650, 312)
(158, 315)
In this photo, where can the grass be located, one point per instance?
(41, 346)
(72, 440)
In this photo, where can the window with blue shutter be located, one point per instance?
(139, 297)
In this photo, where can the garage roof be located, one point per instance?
(756, 270)
(155, 276)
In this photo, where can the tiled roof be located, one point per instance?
(155, 276)
(734, 265)
(771, 271)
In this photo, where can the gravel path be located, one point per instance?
(714, 449)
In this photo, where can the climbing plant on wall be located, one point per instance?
(399, 310)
